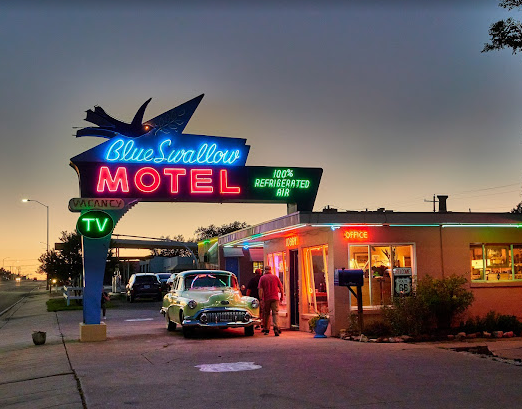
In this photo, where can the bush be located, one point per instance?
(492, 322)
(377, 329)
(445, 298)
(435, 305)
(407, 316)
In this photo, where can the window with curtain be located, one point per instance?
(314, 279)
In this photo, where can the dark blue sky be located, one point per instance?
(393, 99)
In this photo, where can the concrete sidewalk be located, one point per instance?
(34, 376)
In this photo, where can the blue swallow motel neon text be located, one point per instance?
(206, 154)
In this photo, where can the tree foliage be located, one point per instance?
(67, 262)
(203, 233)
(506, 33)
(517, 208)
(182, 252)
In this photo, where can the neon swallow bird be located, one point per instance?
(173, 120)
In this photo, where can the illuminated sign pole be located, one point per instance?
(155, 161)
(96, 227)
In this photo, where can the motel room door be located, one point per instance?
(232, 265)
(294, 289)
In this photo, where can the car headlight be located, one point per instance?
(203, 318)
(255, 303)
(247, 317)
(192, 304)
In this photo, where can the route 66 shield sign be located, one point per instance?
(402, 285)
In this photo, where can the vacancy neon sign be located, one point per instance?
(176, 179)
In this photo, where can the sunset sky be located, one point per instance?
(393, 99)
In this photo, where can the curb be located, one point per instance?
(20, 300)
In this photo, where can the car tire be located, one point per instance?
(249, 331)
(188, 332)
(171, 326)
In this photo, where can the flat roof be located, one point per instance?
(329, 218)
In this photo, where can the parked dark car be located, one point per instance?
(163, 277)
(144, 285)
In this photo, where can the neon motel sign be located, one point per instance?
(158, 162)
(149, 180)
(155, 161)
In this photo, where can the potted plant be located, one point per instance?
(318, 324)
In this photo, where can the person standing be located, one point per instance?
(253, 291)
(269, 288)
(104, 298)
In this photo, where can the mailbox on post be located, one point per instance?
(349, 278)
(352, 278)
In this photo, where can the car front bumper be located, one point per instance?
(221, 318)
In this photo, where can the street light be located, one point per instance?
(47, 207)
(3, 261)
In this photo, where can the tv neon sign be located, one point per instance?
(356, 235)
(95, 224)
(148, 180)
(206, 154)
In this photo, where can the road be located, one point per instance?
(11, 291)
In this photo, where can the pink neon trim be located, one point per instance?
(105, 178)
(223, 185)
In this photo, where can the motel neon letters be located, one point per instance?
(149, 179)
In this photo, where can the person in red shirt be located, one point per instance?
(269, 289)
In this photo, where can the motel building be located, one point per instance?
(394, 250)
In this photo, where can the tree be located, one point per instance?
(203, 233)
(517, 209)
(506, 33)
(159, 252)
(68, 262)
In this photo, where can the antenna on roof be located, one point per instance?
(431, 201)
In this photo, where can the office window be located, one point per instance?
(379, 263)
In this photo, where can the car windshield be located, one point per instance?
(146, 279)
(210, 280)
(163, 276)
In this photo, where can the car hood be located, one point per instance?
(214, 298)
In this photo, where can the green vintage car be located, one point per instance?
(208, 298)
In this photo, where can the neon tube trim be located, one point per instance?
(174, 174)
(224, 188)
(206, 154)
(112, 183)
(196, 181)
(138, 179)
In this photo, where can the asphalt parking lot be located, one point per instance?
(141, 365)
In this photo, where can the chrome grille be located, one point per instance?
(225, 316)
